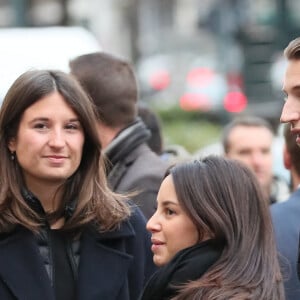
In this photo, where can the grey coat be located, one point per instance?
(135, 168)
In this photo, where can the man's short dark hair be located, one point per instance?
(111, 84)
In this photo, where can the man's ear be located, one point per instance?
(286, 158)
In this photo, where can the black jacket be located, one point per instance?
(112, 266)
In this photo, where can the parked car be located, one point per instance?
(191, 81)
(209, 89)
(45, 47)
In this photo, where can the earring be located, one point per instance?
(12, 156)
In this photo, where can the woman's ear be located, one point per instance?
(12, 145)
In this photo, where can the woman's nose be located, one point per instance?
(153, 224)
(56, 138)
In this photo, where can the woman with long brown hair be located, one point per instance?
(63, 234)
(212, 235)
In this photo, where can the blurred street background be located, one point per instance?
(198, 62)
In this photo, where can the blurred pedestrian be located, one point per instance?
(249, 139)
(212, 235)
(286, 219)
(111, 84)
(153, 123)
(171, 154)
(63, 234)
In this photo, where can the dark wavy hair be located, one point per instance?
(223, 198)
(95, 202)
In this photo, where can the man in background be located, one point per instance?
(286, 219)
(249, 139)
(133, 167)
(153, 123)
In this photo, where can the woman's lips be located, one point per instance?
(156, 244)
(56, 159)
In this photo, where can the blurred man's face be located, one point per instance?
(291, 87)
(253, 147)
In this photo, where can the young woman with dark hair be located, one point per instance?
(63, 234)
(212, 235)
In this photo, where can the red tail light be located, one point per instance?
(235, 101)
(160, 80)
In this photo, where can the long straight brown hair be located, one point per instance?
(94, 201)
(223, 198)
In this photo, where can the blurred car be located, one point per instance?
(161, 77)
(208, 89)
(205, 87)
(40, 48)
(190, 81)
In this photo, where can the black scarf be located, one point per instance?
(187, 265)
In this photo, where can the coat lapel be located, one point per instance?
(104, 264)
(22, 268)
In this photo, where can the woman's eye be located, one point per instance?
(40, 126)
(170, 212)
(72, 126)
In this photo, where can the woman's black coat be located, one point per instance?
(113, 266)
